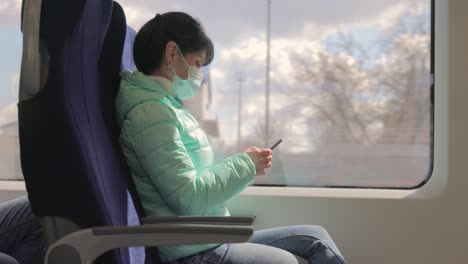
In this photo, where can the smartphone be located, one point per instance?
(276, 144)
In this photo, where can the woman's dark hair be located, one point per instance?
(150, 42)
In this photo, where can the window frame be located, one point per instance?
(431, 143)
(435, 183)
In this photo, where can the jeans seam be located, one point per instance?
(289, 235)
(208, 261)
(15, 225)
(301, 234)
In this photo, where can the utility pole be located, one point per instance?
(267, 95)
(240, 79)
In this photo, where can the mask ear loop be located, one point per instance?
(199, 73)
(170, 66)
(183, 58)
(189, 68)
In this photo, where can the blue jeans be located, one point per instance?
(6, 259)
(283, 245)
(20, 233)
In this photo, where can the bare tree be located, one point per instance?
(404, 76)
(338, 89)
(353, 93)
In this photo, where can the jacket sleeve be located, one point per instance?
(165, 160)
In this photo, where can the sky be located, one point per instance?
(299, 28)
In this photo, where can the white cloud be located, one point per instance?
(10, 12)
(238, 30)
(231, 21)
(14, 83)
(216, 74)
(391, 15)
(388, 16)
(316, 32)
(4, 6)
(249, 55)
(137, 16)
(138, 12)
(252, 49)
(8, 114)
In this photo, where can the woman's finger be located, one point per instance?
(266, 159)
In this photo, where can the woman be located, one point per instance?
(172, 162)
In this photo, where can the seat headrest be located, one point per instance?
(128, 64)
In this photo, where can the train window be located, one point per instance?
(11, 42)
(345, 84)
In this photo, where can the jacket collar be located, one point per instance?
(165, 83)
(154, 83)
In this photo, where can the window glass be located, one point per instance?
(11, 43)
(346, 85)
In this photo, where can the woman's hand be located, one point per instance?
(261, 158)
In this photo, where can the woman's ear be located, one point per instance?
(170, 53)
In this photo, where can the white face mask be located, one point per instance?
(184, 89)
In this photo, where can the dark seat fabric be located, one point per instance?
(71, 161)
(110, 66)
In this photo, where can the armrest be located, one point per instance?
(84, 246)
(212, 220)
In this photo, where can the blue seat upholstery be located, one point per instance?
(77, 179)
(70, 158)
(110, 66)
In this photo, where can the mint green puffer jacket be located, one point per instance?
(171, 160)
